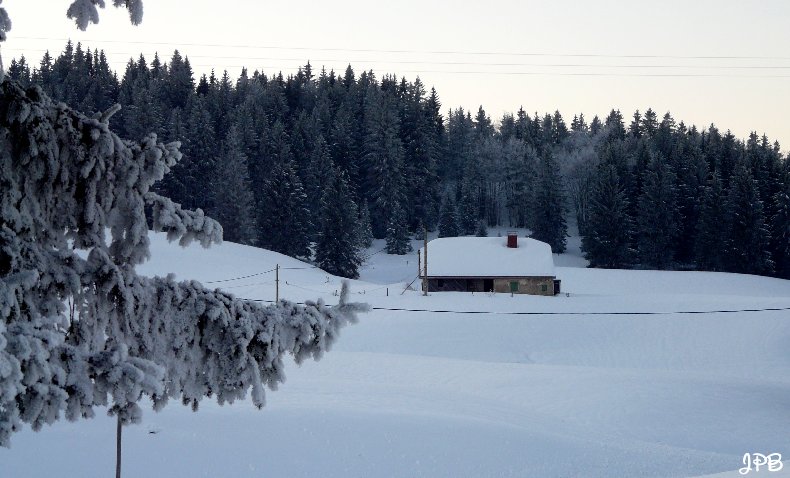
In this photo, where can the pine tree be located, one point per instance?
(710, 248)
(607, 240)
(344, 146)
(318, 174)
(615, 125)
(635, 128)
(650, 123)
(549, 223)
(467, 210)
(179, 82)
(421, 157)
(195, 172)
(143, 114)
(780, 232)
(520, 180)
(547, 132)
(691, 172)
(19, 71)
(560, 129)
(483, 127)
(44, 76)
(234, 202)
(397, 233)
(384, 158)
(337, 247)
(664, 139)
(657, 222)
(482, 230)
(460, 137)
(748, 241)
(595, 126)
(364, 230)
(448, 218)
(283, 217)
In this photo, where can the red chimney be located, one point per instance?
(512, 239)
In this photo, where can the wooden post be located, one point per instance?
(419, 268)
(277, 284)
(425, 261)
(118, 448)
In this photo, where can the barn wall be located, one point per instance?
(447, 285)
(527, 285)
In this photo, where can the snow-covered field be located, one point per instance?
(592, 383)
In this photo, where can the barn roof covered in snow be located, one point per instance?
(488, 257)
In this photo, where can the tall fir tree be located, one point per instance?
(364, 228)
(710, 248)
(337, 249)
(397, 232)
(482, 229)
(467, 210)
(448, 218)
(609, 228)
(549, 223)
(748, 240)
(283, 217)
(179, 82)
(780, 232)
(657, 224)
(233, 200)
(190, 182)
(384, 158)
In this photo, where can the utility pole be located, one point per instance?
(118, 447)
(425, 263)
(419, 268)
(277, 284)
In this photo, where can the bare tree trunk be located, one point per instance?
(118, 448)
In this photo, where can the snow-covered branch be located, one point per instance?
(83, 12)
(65, 180)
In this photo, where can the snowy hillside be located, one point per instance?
(616, 378)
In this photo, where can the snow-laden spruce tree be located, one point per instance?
(78, 327)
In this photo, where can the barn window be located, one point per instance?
(514, 286)
(544, 288)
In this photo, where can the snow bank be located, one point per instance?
(579, 391)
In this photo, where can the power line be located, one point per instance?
(430, 52)
(247, 285)
(456, 63)
(642, 75)
(305, 288)
(680, 312)
(237, 278)
(490, 312)
(527, 73)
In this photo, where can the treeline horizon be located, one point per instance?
(316, 166)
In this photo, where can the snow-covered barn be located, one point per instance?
(484, 264)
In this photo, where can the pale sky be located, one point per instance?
(722, 61)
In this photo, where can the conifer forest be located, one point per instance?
(317, 164)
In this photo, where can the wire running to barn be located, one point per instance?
(247, 285)
(238, 278)
(492, 312)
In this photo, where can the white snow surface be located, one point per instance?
(488, 257)
(616, 379)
